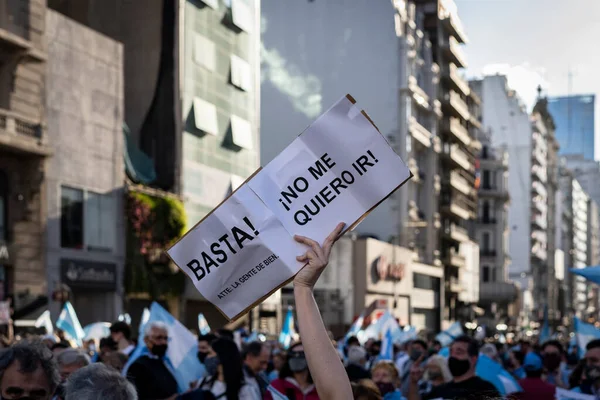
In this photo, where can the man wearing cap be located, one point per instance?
(534, 387)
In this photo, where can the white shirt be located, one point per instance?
(218, 388)
(128, 350)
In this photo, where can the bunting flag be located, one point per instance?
(69, 324)
(584, 334)
(45, 321)
(447, 337)
(203, 326)
(287, 330)
(493, 372)
(182, 354)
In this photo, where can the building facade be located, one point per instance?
(458, 196)
(593, 254)
(574, 117)
(24, 150)
(497, 294)
(301, 80)
(85, 234)
(576, 201)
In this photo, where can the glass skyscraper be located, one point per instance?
(574, 119)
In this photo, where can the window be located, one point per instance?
(99, 224)
(486, 211)
(241, 73)
(241, 131)
(205, 116)
(242, 15)
(485, 241)
(484, 152)
(88, 220)
(487, 182)
(493, 277)
(71, 218)
(486, 274)
(204, 52)
(426, 282)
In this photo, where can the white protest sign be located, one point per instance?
(563, 394)
(337, 170)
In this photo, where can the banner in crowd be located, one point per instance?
(337, 170)
(584, 333)
(563, 394)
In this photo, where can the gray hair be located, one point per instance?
(155, 325)
(71, 357)
(31, 355)
(99, 382)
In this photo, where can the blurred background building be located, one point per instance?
(574, 118)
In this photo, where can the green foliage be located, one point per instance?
(153, 224)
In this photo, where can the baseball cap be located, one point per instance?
(533, 362)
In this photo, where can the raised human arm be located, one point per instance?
(323, 360)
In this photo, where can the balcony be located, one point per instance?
(418, 93)
(460, 183)
(454, 153)
(454, 127)
(459, 210)
(22, 135)
(487, 253)
(454, 259)
(487, 220)
(539, 189)
(451, 72)
(539, 221)
(454, 52)
(540, 173)
(456, 233)
(14, 34)
(453, 285)
(539, 253)
(456, 105)
(419, 132)
(494, 191)
(498, 292)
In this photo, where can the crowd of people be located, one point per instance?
(314, 368)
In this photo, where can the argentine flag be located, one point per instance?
(45, 321)
(355, 327)
(447, 337)
(585, 333)
(182, 353)
(387, 345)
(287, 330)
(69, 324)
(203, 326)
(493, 372)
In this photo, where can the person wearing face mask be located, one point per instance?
(552, 355)
(151, 373)
(355, 365)
(591, 382)
(464, 353)
(225, 378)
(417, 354)
(204, 342)
(385, 375)
(295, 380)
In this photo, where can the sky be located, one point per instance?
(536, 42)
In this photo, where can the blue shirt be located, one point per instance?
(519, 373)
(395, 395)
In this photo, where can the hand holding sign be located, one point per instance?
(339, 169)
(317, 257)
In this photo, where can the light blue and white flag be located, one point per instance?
(275, 393)
(355, 327)
(182, 353)
(287, 330)
(69, 324)
(585, 333)
(143, 321)
(447, 337)
(387, 345)
(203, 326)
(404, 335)
(45, 321)
(592, 274)
(493, 372)
(97, 330)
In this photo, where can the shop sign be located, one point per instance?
(80, 274)
(384, 270)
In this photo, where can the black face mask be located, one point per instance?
(458, 367)
(415, 355)
(159, 350)
(592, 373)
(202, 356)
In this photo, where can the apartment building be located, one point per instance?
(576, 201)
(348, 40)
(458, 203)
(24, 150)
(593, 253)
(497, 294)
